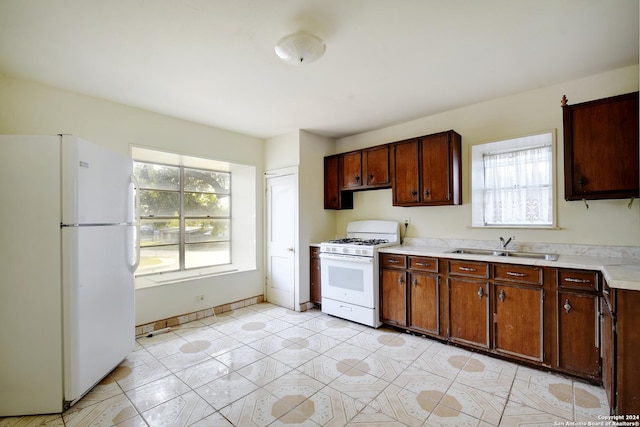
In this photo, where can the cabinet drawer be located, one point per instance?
(578, 279)
(518, 273)
(468, 268)
(393, 261)
(423, 263)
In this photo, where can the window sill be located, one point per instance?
(514, 227)
(161, 279)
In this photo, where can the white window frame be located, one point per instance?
(507, 145)
(243, 216)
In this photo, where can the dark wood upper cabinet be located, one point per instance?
(365, 169)
(377, 166)
(351, 166)
(601, 148)
(334, 198)
(426, 171)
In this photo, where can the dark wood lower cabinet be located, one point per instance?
(469, 312)
(578, 344)
(424, 302)
(608, 351)
(518, 321)
(393, 299)
(566, 320)
(314, 276)
(626, 343)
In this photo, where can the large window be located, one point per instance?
(185, 217)
(513, 183)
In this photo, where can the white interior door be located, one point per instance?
(281, 225)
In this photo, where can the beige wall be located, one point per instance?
(29, 108)
(607, 222)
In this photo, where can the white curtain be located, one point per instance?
(518, 187)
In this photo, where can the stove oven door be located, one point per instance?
(349, 279)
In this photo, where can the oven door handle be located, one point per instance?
(349, 258)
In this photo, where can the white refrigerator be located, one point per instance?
(67, 258)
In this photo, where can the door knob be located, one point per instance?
(289, 249)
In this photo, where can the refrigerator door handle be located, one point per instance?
(136, 221)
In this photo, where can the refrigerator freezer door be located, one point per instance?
(30, 288)
(96, 186)
(98, 311)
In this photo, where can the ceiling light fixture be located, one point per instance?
(300, 48)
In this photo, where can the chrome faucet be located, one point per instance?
(505, 243)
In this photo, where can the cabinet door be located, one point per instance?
(333, 197)
(435, 169)
(393, 299)
(377, 166)
(578, 334)
(601, 148)
(314, 273)
(351, 164)
(424, 297)
(469, 312)
(405, 165)
(607, 352)
(518, 321)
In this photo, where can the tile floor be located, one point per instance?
(264, 365)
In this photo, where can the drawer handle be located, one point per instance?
(567, 306)
(467, 269)
(572, 280)
(393, 261)
(423, 264)
(605, 292)
(515, 274)
(501, 296)
(480, 292)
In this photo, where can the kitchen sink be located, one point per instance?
(505, 253)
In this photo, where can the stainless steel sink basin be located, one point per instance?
(506, 253)
(475, 251)
(534, 255)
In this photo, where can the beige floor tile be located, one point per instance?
(550, 394)
(203, 373)
(359, 385)
(348, 353)
(295, 356)
(446, 416)
(294, 383)
(264, 371)
(108, 412)
(225, 390)
(181, 411)
(271, 344)
(240, 357)
(157, 392)
(488, 374)
(138, 369)
(189, 356)
(332, 408)
(214, 420)
(256, 409)
(49, 420)
(518, 414)
(590, 402)
(471, 401)
(411, 409)
(326, 369)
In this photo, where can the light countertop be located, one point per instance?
(620, 273)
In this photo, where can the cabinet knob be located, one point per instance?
(426, 193)
(480, 292)
(567, 306)
(400, 281)
(501, 296)
(370, 177)
(414, 193)
(415, 282)
(357, 178)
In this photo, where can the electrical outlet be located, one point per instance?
(200, 298)
(406, 221)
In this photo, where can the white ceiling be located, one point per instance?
(387, 61)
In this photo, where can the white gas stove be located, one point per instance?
(349, 270)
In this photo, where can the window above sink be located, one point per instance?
(513, 182)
